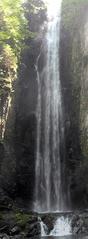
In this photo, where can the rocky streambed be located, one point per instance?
(17, 224)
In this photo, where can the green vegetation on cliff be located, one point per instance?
(15, 30)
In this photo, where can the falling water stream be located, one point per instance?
(50, 132)
(48, 188)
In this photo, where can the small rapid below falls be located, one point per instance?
(50, 127)
(62, 227)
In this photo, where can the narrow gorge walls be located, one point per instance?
(21, 130)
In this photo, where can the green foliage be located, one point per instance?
(8, 59)
(13, 24)
(22, 219)
(8, 66)
(14, 30)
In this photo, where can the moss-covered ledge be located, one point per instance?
(15, 222)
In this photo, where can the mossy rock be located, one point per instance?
(22, 219)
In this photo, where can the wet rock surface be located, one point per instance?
(49, 221)
(18, 225)
(79, 223)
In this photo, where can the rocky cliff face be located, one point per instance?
(74, 85)
(18, 165)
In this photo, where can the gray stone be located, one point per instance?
(5, 236)
(15, 230)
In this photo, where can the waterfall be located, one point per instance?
(62, 227)
(44, 229)
(50, 127)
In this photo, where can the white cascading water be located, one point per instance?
(50, 129)
(44, 229)
(62, 227)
